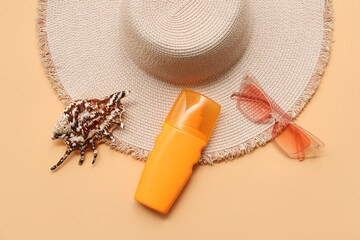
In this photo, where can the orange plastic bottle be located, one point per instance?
(178, 147)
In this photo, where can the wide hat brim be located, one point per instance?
(287, 52)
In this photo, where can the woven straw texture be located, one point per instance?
(91, 49)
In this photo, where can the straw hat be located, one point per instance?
(91, 49)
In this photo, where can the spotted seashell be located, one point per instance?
(84, 123)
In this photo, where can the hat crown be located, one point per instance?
(185, 42)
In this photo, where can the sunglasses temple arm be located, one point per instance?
(235, 95)
(300, 147)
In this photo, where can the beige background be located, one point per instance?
(263, 195)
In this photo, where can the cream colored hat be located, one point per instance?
(91, 49)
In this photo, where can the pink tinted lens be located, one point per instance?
(291, 139)
(254, 104)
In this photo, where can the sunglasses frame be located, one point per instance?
(280, 117)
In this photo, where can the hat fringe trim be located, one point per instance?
(45, 55)
(208, 157)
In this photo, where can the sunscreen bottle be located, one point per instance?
(177, 149)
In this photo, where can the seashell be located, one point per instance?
(84, 123)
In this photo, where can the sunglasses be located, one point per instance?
(257, 106)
